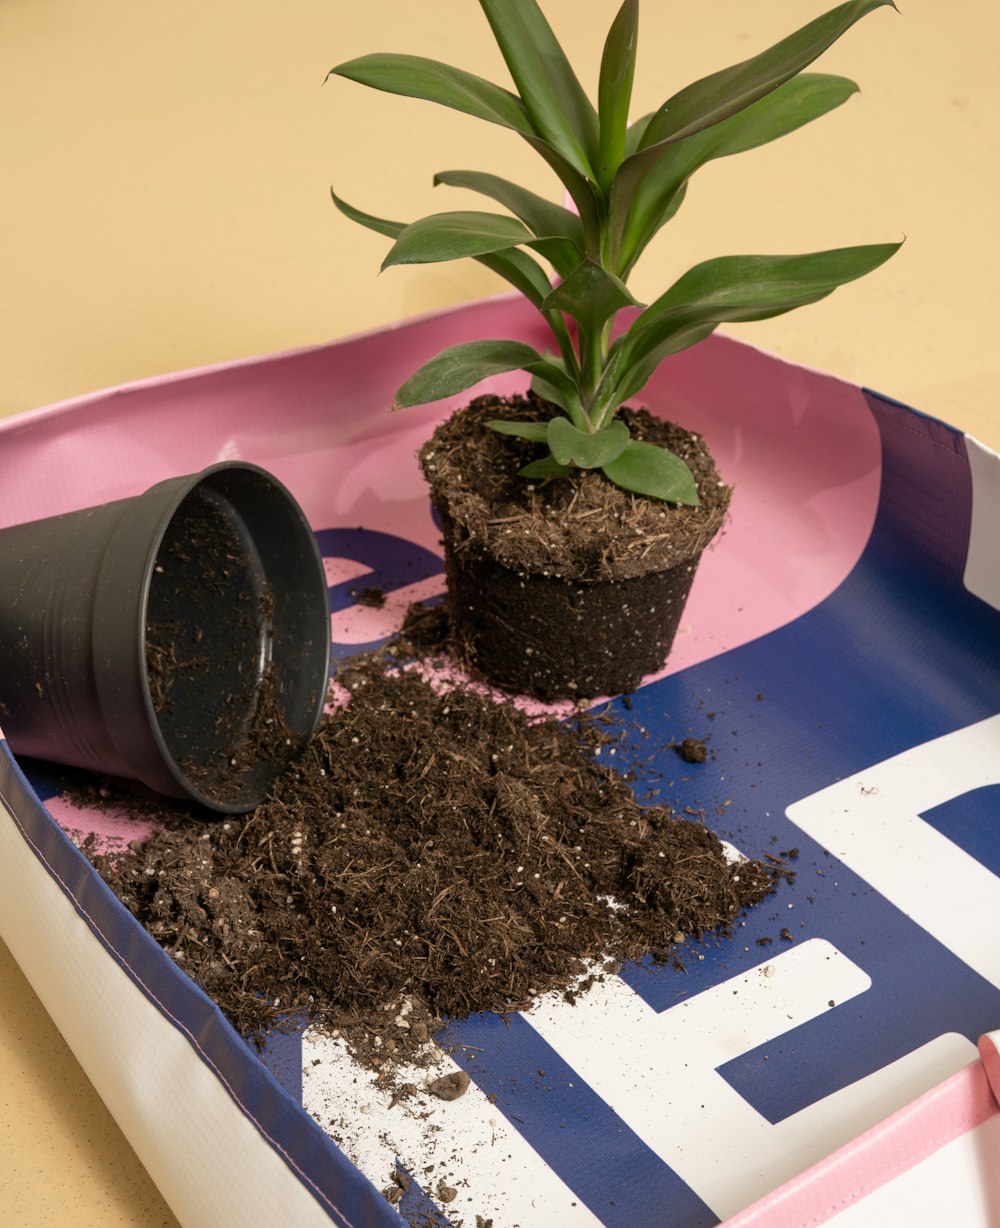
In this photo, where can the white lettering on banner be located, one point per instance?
(461, 1148)
(658, 1071)
(871, 821)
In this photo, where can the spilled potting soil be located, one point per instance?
(434, 852)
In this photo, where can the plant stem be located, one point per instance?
(560, 331)
(593, 357)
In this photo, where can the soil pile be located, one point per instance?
(433, 852)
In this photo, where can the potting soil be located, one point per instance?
(433, 852)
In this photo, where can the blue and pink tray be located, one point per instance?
(845, 633)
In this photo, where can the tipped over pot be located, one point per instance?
(179, 638)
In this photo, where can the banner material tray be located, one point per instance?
(843, 632)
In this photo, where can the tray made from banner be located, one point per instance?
(844, 631)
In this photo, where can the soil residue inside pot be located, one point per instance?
(215, 693)
(432, 853)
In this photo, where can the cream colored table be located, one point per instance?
(165, 204)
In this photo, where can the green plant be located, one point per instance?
(626, 181)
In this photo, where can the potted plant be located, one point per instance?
(572, 524)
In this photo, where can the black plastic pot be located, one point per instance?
(180, 638)
(573, 639)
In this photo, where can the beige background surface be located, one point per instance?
(164, 204)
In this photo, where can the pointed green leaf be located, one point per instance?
(515, 266)
(614, 94)
(716, 97)
(564, 394)
(590, 295)
(735, 288)
(586, 449)
(635, 219)
(456, 235)
(417, 77)
(622, 383)
(379, 224)
(635, 132)
(543, 217)
(559, 110)
(451, 236)
(584, 192)
(460, 366)
(723, 93)
(521, 271)
(562, 254)
(535, 431)
(545, 468)
(646, 469)
(797, 102)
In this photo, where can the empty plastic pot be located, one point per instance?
(180, 638)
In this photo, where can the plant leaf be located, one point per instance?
(430, 80)
(521, 271)
(515, 266)
(635, 219)
(790, 106)
(460, 366)
(380, 225)
(729, 289)
(535, 431)
(614, 92)
(585, 193)
(455, 235)
(631, 380)
(546, 467)
(562, 254)
(551, 382)
(635, 132)
(451, 236)
(563, 392)
(590, 295)
(724, 93)
(647, 469)
(415, 76)
(543, 217)
(559, 110)
(586, 449)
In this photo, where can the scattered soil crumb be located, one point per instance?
(371, 596)
(692, 750)
(450, 1086)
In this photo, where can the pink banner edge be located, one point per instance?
(894, 1146)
